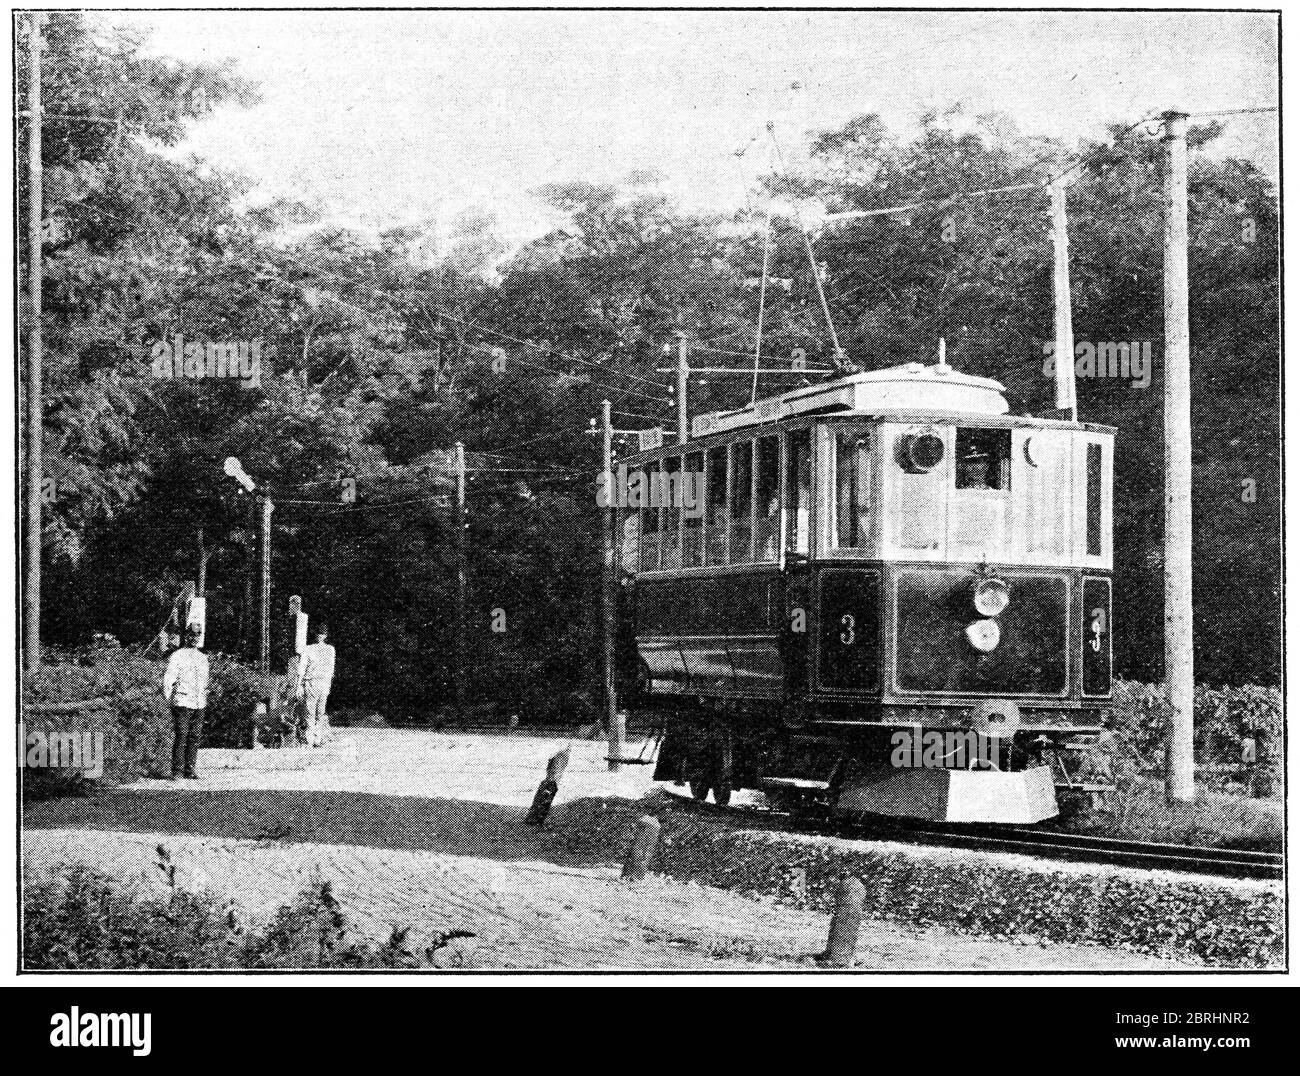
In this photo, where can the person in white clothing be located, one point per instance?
(315, 676)
(185, 687)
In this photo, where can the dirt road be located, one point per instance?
(425, 830)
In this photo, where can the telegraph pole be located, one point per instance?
(460, 579)
(1180, 771)
(612, 721)
(264, 614)
(683, 430)
(35, 275)
(1064, 348)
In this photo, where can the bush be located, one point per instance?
(136, 723)
(234, 690)
(1223, 717)
(135, 726)
(77, 918)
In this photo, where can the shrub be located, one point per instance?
(234, 690)
(76, 918)
(136, 723)
(1222, 717)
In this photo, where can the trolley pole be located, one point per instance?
(1180, 771)
(683, 429)
(607, 583)
(460, 579)
(264, 613)
(35, 438)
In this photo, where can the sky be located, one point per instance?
(389, 117)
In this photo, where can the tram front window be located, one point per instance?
(798, 491)
(693, 510)
(984, 459)
(767, 498)
(715, 507)
(670, 540)
(852, 487)
(742, 492)
(649, 525)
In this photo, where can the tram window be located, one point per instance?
(649, 522)
(767, 498)
(852, 487)
(984, 459)
(670, 539)
(742, 500)
(1094, 499)
(798, 491)
(693, 510)
(715, 507)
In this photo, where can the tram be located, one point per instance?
(882, 591)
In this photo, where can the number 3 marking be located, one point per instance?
(847, 636)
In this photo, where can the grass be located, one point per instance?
(1139, 811)
(77, 919)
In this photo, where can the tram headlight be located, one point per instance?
(991, 597)
(984, 635)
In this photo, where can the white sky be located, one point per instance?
(391, 115)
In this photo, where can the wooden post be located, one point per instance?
(846, 921)
(645, 839)
(460, 580)
(546, 791)
(264, 616)
(35, 414)
(1063, 351)
(607, 597)
(683, 428)
(1180, 773)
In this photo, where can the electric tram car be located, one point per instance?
(882, 592)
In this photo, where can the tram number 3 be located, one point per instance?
(847, 625)
(1098, 629)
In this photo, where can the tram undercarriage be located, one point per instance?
(933, 772)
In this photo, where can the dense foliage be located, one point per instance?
(77, 919)
(382, 350)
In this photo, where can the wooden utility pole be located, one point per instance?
(35, 276)
(683, 429)
(264, 613)
(1180, 769)
(460, 579)
(1064, 347)
(607, 584)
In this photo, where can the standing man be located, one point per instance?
(315, 675)
(185, 687)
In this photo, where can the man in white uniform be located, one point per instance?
(185, 687)
(315, 675)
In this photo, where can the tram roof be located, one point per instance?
(914, 392)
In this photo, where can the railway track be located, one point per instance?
(1046, 844)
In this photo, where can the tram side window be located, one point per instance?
(1093, 494)
(649, 521)
(715, 507)
(852, 487)
(798, 491)
(670, 538)
(742, 501)
(984, 459)
(767, 498)
(692, 510)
